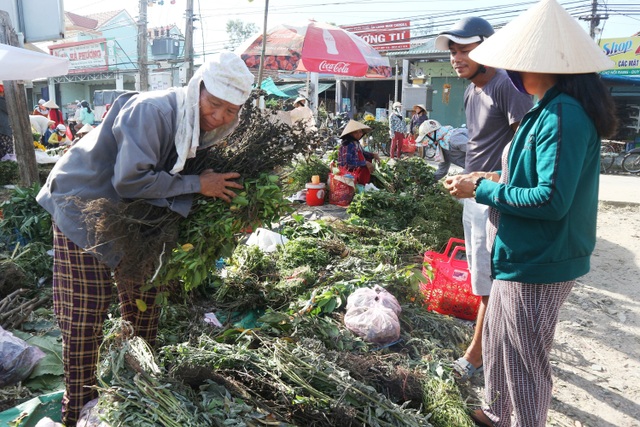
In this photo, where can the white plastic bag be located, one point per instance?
(17, 358)
(378, 296)
(266, 240)
(376, 324)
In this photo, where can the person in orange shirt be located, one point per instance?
(40, 109)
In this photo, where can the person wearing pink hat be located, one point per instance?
(137, 153)
(543, 204)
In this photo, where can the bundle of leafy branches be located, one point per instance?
(143, 233)
(300, 172)
(379, 131)
(25, 238)
(9, 173)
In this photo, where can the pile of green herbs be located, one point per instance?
(410, 201)
(283, 353)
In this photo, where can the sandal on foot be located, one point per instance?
(465, 370)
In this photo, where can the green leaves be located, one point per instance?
(212, 229)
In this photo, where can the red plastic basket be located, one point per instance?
(449, 292)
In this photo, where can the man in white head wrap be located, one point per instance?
(137, 152)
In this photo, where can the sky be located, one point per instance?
(432, 16)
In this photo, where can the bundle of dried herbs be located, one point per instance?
(305, 385)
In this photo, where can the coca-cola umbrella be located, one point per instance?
(315, 47)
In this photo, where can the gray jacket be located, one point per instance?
(128, 156)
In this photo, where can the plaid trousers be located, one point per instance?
(82, 294)
(519, 326)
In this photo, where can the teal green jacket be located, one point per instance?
(547, 227)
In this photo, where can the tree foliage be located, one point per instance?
(238, 31)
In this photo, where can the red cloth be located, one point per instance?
(361, 174)
(56, 116)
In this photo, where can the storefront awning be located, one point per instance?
(289, 90)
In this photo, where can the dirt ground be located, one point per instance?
(596, 356)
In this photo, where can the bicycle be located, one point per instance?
(631, 161)
(609, 151)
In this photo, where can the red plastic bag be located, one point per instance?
(341, 189)
(409, 144)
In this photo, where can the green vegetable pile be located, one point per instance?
(283, 355)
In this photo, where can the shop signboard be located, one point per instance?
(384, 36)
(625, 53)
(85, 57)
(36, 20)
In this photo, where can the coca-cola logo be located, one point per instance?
(337, 68)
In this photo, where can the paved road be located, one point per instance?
(620, 188)
(613, 188)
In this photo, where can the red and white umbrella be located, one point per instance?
(315, 47)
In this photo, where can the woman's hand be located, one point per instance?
(370, 166)
(219, 184)
(463, 186)
(376, 157)
(460, 186)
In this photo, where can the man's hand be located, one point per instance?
(219, 184)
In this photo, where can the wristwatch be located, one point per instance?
(475, 187)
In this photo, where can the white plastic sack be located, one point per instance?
(17, 358)
(48, 422)
(376, 297)
(377, 324)
(90, 416)
(370, 187)
(266, 240)
(43, 158)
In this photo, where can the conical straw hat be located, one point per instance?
(353, 126)
(50, 104)
(86, 128)
(544, 39)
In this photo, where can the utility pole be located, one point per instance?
(142, 46)
(19, 113)
(594, 18)
(264, 43)
(188, 39)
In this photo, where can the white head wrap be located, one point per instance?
(225, 76)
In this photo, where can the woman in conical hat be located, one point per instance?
(544, 200)
(351, 156)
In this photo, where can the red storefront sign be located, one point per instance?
(384, 36)
(85, 56)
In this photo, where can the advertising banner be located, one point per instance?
(384, 36)
(85, 56)
(625, 52)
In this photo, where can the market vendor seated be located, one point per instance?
(351, 156)
(58, 138)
